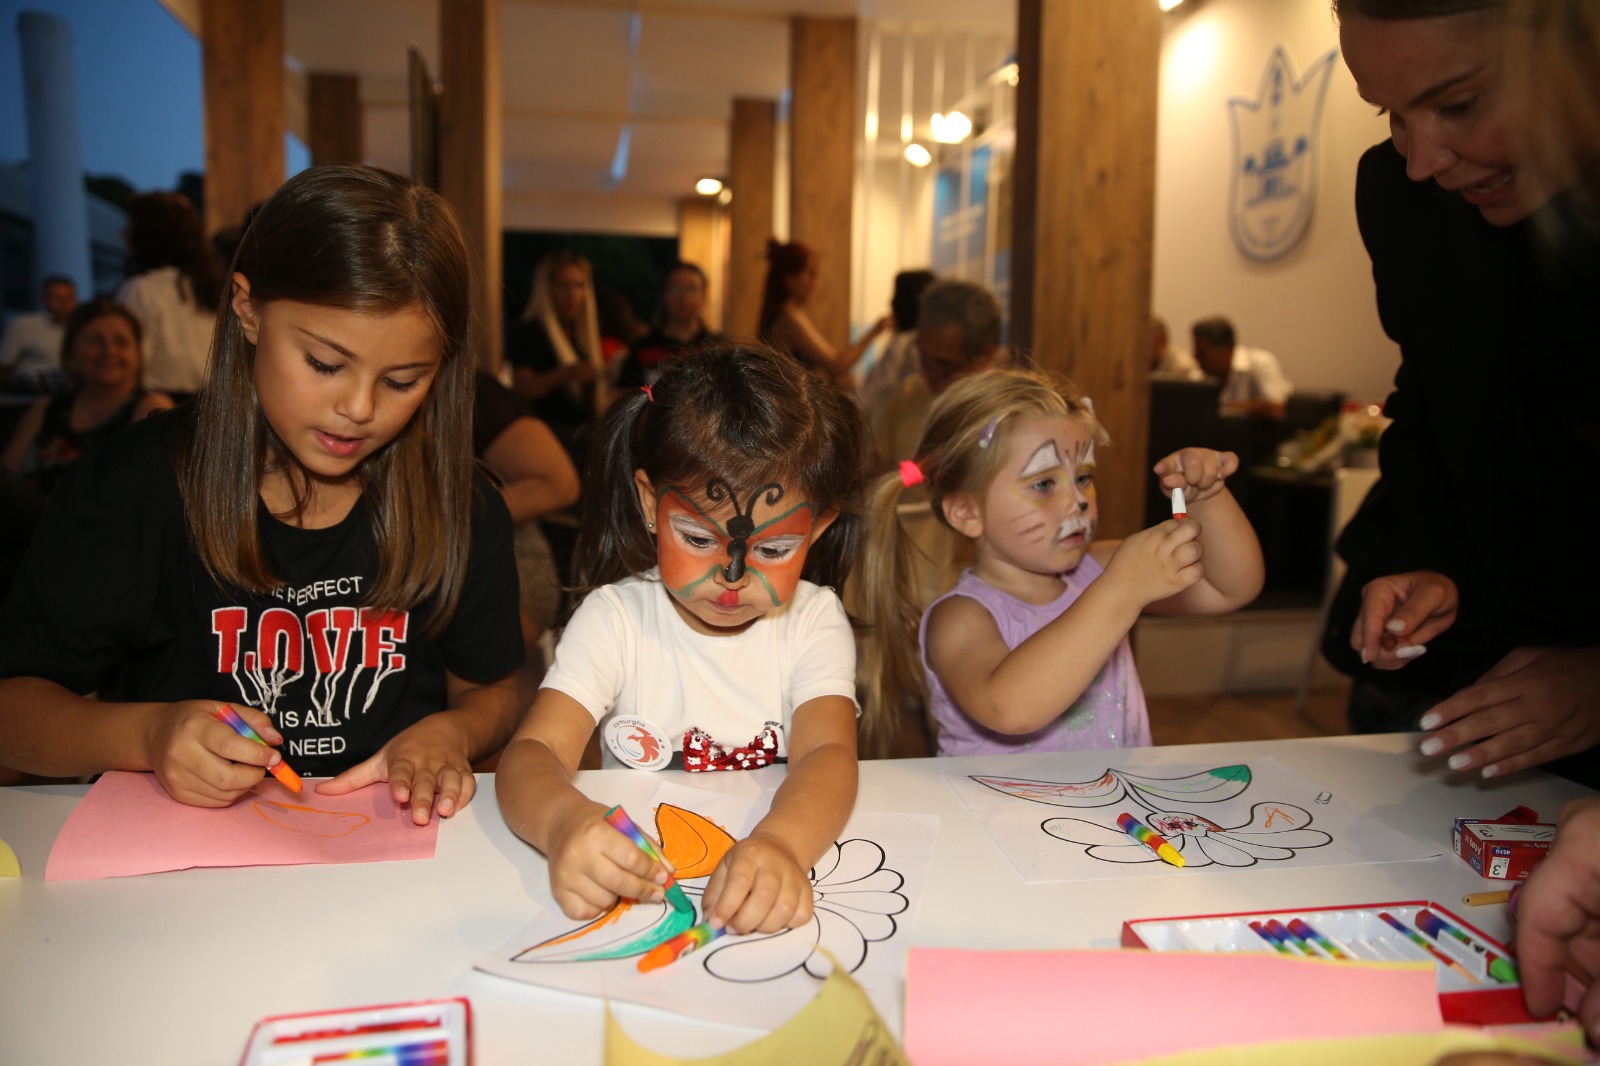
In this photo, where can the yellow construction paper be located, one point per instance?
(8, 861)
(838, 1026)
(1562, 1044)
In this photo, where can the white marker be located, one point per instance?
(1180, 509)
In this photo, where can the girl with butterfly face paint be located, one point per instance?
(720, 514)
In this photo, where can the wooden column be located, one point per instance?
(334, 106)
(822, 147)
(752, 160)
(470, 150)
(241, 64)
(701, 240)
(1084, 218)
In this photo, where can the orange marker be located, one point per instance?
(230, 718)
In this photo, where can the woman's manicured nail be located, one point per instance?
(1460, 761)
(1409, 651)
(1394, 625)
(1432, 746)
(1429, 720)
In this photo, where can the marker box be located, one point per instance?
(1505, 848)
(435, 1032)
(1360, 931)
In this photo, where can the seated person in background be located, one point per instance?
(102, 358)
(535, 478)
(1252, 381)
(30, 354)
(958, 333)
(1167, 361)
(620, 328)
(677, 326)
(898, 359)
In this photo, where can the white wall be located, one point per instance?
(1314, 307)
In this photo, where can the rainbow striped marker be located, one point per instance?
(1501, 969)
(1416, 937)
(690, 940)
(1149, 838)
(623, 824)
(230, 718)
(1302, 929)
(1261, 931)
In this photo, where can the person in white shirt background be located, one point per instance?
(1252, 381)
(30, 354)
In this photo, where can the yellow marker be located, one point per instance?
(9, 866)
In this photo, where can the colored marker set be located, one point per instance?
(432, 1033)
(1478, 979)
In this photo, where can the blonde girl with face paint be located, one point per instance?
(1029, 651)
(720, 504)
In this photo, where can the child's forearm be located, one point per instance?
(1234, 570)
(813, 803)
(50, 730)
(486, 715)
(535, 790)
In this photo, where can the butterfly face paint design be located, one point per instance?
(723, 571)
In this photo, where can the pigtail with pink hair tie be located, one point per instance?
(910, 473)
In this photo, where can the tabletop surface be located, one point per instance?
(177, 967)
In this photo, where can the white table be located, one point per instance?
(177, 967)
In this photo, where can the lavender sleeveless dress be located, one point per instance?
(1109, 714)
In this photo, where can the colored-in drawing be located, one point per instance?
(309, 820)
(1274, 830)
(856, 900)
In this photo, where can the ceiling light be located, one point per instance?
(917, 155)
(725, 197)
(708, 186)
(952, 128)
(1168, 5)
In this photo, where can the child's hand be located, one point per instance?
(1158, 562)
(199, 760)
(426, 765)
(1400, 614)
(1199, 472)
(759, 886)
(591, 864)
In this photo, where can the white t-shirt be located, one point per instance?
(32, 345)
(177, 331)
(626, 652)
(1256, 375)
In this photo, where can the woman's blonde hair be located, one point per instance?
(365, 240)
(965, 440)
(542, 307)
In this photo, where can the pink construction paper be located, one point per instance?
(127, 824)
(1066, 1007)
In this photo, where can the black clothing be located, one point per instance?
(112, 570)
(564, 409)
(647, 355)
(1496, 427)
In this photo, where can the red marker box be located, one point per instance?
(1505, 848)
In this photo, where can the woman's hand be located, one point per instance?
(1200, 472)
(1535, 705)
(200, 760)
(1400, 614)
(592, 864)
(759, 887)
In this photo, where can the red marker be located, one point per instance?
(1180, 509)
(230, 718)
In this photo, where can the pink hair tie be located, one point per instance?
(910, 473)
(649, 395)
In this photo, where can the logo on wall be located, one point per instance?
(1275, 157)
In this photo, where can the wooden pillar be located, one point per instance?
(241, 64)
(752, 160)
(1084, 218)
(701, 231)
(335, 118)
(470, 149)
(822, 146)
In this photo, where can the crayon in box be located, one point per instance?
(1473, 999)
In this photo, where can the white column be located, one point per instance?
(55, 159)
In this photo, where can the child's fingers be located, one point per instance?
(362, 774)
(455, 790)
(260, 723)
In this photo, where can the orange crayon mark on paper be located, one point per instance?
(310, 820)
(1273, 812)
